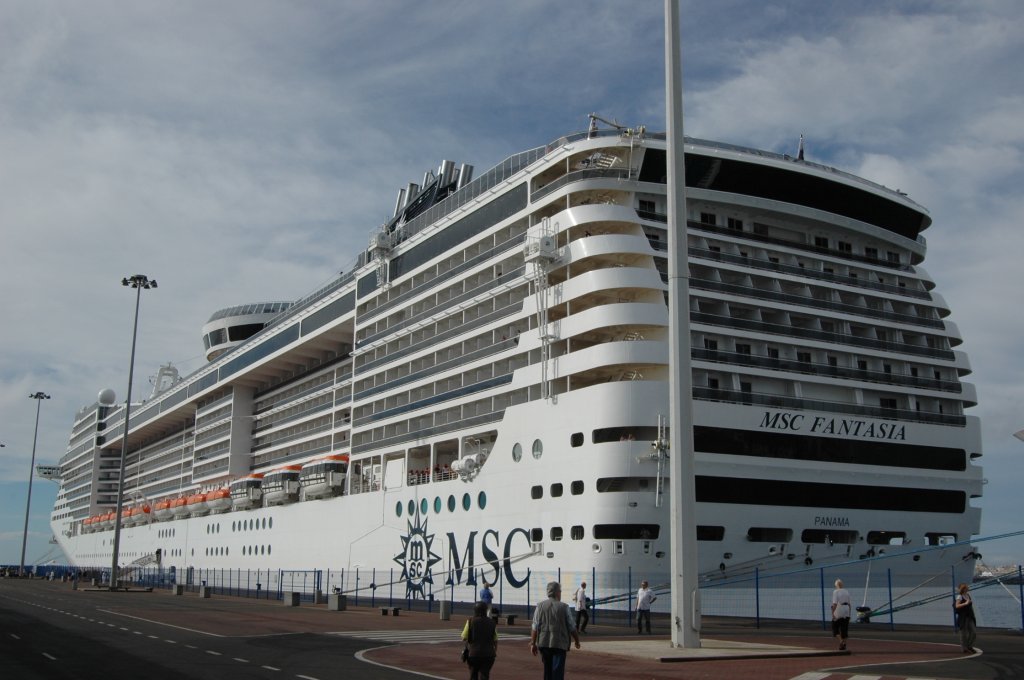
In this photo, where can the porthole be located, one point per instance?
(451, 503)
(423, 506)
(270, 523)
(467, 502)
(233, 525)
(264, 522)
(481, 500)
(268, 549)
(538, 449)
(412, 508)
(398, 509)
(437, 504)
(261, 549)
(517, 452)
(227, 551)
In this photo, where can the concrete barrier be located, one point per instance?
(337, 602)
(291, 599)
(204, 592)
(179, 589)
(318, 597)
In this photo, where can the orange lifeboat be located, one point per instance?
(179, 507)
(108, 520)
(219, 500)
(197, 504)
(247, 492)
(162, 510)
(281, 485)
(324, 476)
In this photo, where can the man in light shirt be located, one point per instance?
(582, 615)
(644, 598)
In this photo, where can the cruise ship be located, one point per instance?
(482, 395)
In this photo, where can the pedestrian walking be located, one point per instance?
(840, 613)
(963, 605)
(581, 602)
(481, 636)
(486, 596)
(644, 599)
(552, 631)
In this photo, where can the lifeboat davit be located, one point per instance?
(128, 517)
(162, 510)
(197, 504)
(142, 514)
(219, 500)
(281, 485)
(108, 521)
(247, 492)
(324, 476)
(87, 525)
(179, 507)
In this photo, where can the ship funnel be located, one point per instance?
(411, 191)
(400, 202)
(428, 177)
(446, 172)
(465, 175)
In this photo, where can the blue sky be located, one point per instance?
(244, 150)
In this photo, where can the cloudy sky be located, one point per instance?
(243, 150)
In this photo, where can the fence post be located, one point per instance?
(357, 587)
(1020, 588)
(821, 587)
(593, 589)
(629, 595)
(757, 597)
(373, 588)
(892, 621)
(952, 579)
(391, 588)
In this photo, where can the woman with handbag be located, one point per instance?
(481, 636)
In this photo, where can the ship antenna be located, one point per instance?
(800, 150)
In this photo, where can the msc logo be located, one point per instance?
(417, 559)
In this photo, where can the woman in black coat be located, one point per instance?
(481, 636)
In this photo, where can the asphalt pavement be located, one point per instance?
(48, 630)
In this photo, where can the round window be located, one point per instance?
(467, 502)
(437, 504)
(481, 500)
(538, 448)
(398, 509)
(517, 452)
(451, 503)
(412, 508)
(423, 506)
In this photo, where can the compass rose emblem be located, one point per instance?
(417, 559)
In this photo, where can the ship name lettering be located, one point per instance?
(464, 564)
(831, 521)
(849, 427)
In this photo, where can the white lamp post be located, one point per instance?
(139, 282)
(38, 396)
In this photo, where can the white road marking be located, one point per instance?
(210, 651)
(241, 660)
(270, 668)
(161, 623)
(51, 658)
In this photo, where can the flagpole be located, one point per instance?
(686, 617)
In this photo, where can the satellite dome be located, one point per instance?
(106, 397)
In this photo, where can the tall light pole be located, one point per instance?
(38, 396)
(139, 282)
(686, 616)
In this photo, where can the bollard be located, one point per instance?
(179, 589)
(291, 599)
(204, 592)
(318, 597)
(337, 602)
(446, 610)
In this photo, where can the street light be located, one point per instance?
(139, 282)
(38, 396)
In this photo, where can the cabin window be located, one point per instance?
(451, 503)
(887, 537)
(828, 536)
(707, 532)
(556, 533)
(576, 487)
(398, 509)
(481, 500)
(467, 502)
(517, 452)
(556, 490)
(576, 439)
(576, 533)
(538, 449)
(769, 535)
(537, 492)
